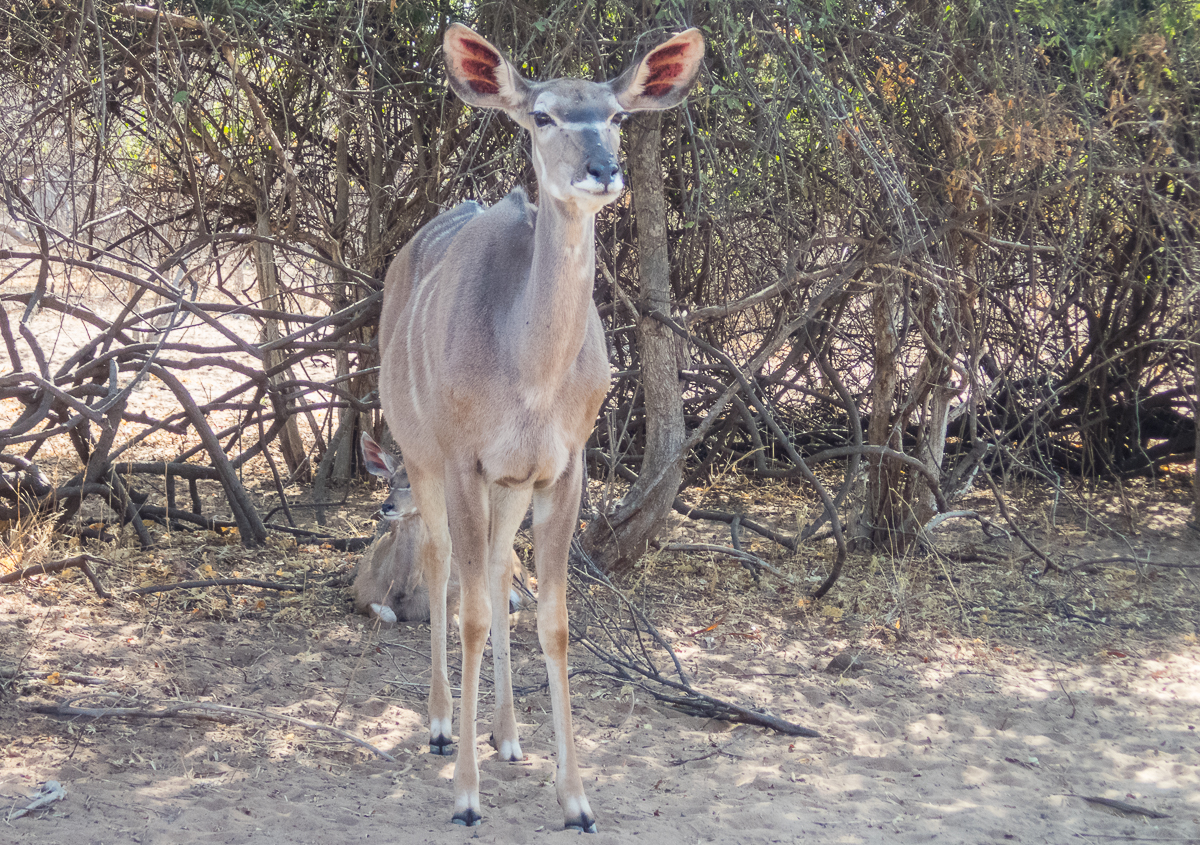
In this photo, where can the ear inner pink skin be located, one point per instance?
(480, 50)
(484, 86)
(658, 89)
(667, 53)
(664, 70)
(482, 68)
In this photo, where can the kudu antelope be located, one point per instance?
(493, 368)
(389, 585)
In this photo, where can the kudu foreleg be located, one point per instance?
(555, 511)
(507, 510)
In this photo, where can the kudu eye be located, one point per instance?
(619, 118)
(540, 118)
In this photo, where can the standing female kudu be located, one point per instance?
(493, 368)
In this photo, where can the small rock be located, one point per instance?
(846, 663)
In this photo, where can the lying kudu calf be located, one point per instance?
(389, 584)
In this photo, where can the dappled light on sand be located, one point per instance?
(941, 733)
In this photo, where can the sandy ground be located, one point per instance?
(941, 736)
(992, 701)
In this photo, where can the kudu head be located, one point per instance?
(400, 503)
(575, 124)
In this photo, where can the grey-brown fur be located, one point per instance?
(492, 371)
(389, 576)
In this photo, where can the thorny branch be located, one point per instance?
(1029, 331)
(632, 640)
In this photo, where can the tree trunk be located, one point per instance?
(617, 540)
(1196, 414)
(943, 313)
(343, 462)
(290, 443)
(884, 510)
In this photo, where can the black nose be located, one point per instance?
(604, 173)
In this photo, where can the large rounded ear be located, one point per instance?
(376, 459)
(664, 76)
(479, 73)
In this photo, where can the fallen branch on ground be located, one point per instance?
(779, 537)
(986, 523)
(50, 792)
(680, 506)
(1132, 560)
(7, 674)
(1123, 807)
(184, 708)
(1017, 528)
(79, 561)
(736, 554)
(216, 582)
(632, 662)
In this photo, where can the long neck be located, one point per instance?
(550, 319)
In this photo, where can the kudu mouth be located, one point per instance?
(601, 190)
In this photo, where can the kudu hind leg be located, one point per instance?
(468, 512)
(555, 511)
(507, 510)
(441, 702)
(434, 551)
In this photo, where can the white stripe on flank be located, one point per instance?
(419, 315)
(421, 303)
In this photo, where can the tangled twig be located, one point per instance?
(633, 662)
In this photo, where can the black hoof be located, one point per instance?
(585, 824)
(469, 818)
(443, 746)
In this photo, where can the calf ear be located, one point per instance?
(479, 73)
(375, 458)
(664, 75)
